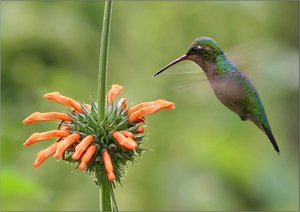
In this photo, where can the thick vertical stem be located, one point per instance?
(105, 197)
(104, 44)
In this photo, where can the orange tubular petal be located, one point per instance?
(35, 137)
(142, 112)
(87, 157)
(163, 104)
(108, 166)
(140, 129)
(124, 141)
(37, 116)
(82, 146)
(159, 105)
(64, 128)
(65, 144)
(139, 120)
(113, 93)
(44, 154)
(127, 133)
(56, 97)
(139, 106)
(130, 144)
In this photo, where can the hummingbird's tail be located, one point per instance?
(271, 137)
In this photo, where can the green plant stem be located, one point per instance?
(105, 193)
(105, 197)
(102, 75)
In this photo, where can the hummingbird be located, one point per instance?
(232, 87)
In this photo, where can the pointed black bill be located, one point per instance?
(179, 59)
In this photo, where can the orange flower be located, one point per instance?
(127, 133)
(87, 157)
(140, 120)
(37, 116)
(151, 108)
(108, 166)
(124, 141)
(44, 154)
(139, 106)
(140, 129)
(82, 146)
(65, 144)
(113, 93)
(83, 137)
(35, 137)
(56, 97)
(64, 128)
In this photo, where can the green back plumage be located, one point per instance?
(254, 103)
(223, 64)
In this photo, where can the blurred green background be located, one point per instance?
(205, 158)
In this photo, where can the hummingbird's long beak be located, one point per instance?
(179, 59)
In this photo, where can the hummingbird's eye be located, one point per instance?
(195, 49)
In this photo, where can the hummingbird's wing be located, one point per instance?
(242, 56)
(189, 81)
(189, 84)
(187, 76)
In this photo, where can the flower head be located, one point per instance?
(102, 147)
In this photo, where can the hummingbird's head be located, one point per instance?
(203, 49)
